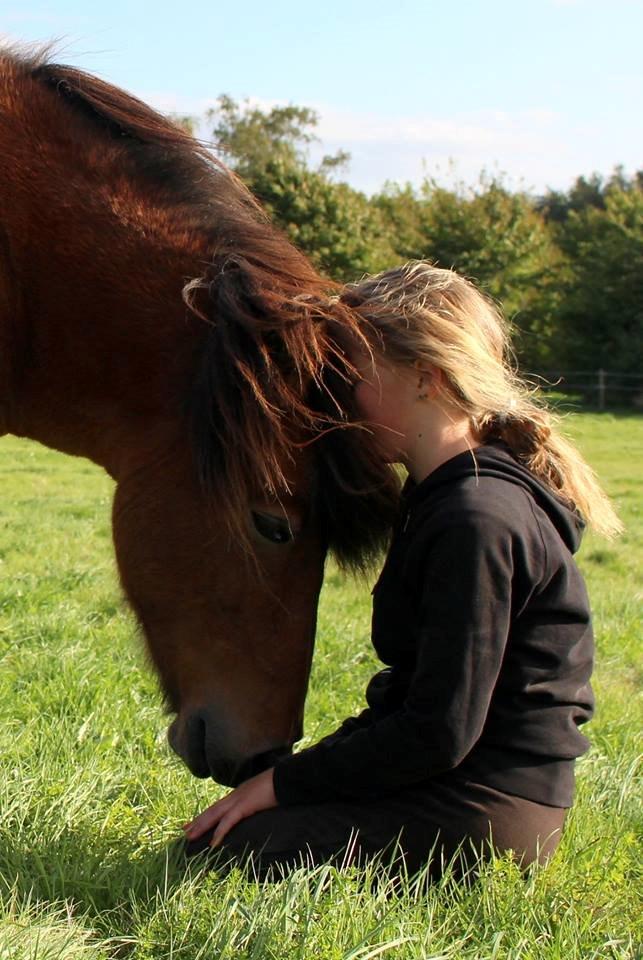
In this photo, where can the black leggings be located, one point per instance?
(423, 824)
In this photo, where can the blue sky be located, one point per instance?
(540, 89)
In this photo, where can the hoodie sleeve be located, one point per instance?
(465, 612)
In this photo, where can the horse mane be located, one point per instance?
(271, 375)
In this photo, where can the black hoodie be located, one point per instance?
(482, 616)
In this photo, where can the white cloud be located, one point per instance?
(407, 148)
(475, 131)
(534, 148)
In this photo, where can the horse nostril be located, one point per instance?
(198, 739)
(197, 759)
(188, 741)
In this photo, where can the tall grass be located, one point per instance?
(91, 799)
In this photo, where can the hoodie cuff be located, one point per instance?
(297, 779)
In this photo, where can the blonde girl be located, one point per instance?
(470, 733)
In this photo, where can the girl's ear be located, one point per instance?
(430, 381)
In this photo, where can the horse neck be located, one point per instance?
(100, 342)
(96, 345)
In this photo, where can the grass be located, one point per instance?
(91, 799)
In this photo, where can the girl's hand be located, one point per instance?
(250, 797)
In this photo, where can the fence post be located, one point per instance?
(601, 389)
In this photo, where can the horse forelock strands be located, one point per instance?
(272, 379)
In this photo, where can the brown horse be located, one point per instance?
(152, 320)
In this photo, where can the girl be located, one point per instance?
(480, 612)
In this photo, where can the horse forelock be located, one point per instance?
(274, 379)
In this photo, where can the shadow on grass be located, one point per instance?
(111, 880)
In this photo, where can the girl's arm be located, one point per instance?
(465, 613)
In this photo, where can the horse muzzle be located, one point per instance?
(199, 743)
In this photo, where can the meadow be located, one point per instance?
(91, 799)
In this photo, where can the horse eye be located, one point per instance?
(275, 529)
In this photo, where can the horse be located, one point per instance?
(154, 321)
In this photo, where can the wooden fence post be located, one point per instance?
(601, 389)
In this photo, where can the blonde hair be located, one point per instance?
(424, 316)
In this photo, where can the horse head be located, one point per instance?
(155, 322)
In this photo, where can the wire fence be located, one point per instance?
(597, 388)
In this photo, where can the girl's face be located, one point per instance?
(383, 397)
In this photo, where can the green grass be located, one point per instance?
(91, 799)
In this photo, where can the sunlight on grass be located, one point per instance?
(91, 799)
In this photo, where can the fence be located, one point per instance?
(597, 388)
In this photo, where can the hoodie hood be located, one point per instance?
(496, 460)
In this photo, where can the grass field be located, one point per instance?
(91, 799)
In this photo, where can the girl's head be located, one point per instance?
(422, 317)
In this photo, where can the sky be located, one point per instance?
(539, 90)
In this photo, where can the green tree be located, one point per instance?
(556, 205)
(495, 237)
(403, 214)
(601, 316)
(251, 139)
(337, 226)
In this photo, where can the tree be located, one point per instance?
(495, 237)
(601, 316)
(403, 215)
(335, 225)
(556, 205)
(251, 139)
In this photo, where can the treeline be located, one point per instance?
(567, 266)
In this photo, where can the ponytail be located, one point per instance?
(538, 445)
